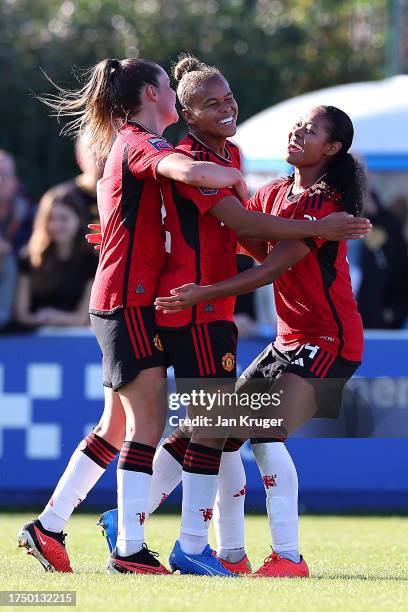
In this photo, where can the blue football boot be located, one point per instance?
(204, 564)
(109, 523)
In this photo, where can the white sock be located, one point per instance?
(133, 495)
(199, 491)
(81, 474)
(281, 486)
(229, 506)
(166, 477)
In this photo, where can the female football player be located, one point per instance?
(124, 108)
(319, 339)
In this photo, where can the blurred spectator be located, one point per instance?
(56, 273)
(82, 188)
(16, 214)
(8, 276)
(399, 206)
(382, 294)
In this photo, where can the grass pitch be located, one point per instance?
(356, 563)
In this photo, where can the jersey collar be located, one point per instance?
(227, 157)
(142, 127)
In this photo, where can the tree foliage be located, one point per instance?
(268, 49)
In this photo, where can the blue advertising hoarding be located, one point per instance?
(51, 395)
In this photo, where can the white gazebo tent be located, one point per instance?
(379, 110)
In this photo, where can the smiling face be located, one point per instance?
(213, 109)
(309, 141)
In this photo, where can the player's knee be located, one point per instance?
(110, 422)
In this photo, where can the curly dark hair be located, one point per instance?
(344, 174)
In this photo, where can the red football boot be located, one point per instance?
(46, 546)
(142, 562)
(241, 567)
(276, 567)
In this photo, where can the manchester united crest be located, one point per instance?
(158, 343)
(228, 362)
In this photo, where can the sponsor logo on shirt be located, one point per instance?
(209, 308)
(160, 144)
(140, 289)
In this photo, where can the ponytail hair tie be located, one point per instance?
(114, 64)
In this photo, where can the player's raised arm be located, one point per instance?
(182, 168)
(285, 255)
(249, 224)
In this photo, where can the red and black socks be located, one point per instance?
(87, 464)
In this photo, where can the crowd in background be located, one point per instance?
(47, 267)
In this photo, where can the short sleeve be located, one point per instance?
(150, 150)
(264, 198)
(314, 207)
(203, 197)
(254, 204)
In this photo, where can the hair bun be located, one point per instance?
(186, 64)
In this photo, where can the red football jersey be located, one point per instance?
(314, 299)
(200, 249)
(132, 252)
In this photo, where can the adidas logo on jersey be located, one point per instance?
(209, 308)
(140, 289)
(299, 362)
